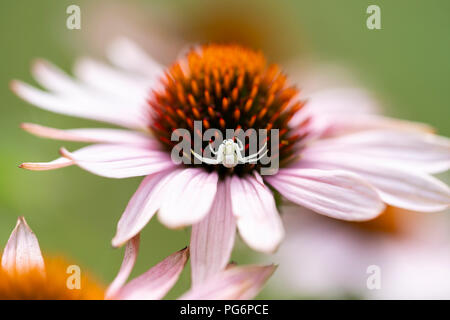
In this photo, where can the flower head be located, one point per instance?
(344, 161)
(225, 87)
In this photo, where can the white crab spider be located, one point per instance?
(229, 154)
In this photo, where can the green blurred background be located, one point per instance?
(74, 213)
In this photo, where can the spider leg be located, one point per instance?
(241, 145)
(260, 157)
(255, 155)
(212, 150)
(204, 160)
(239, 157)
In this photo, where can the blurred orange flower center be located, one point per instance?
(34, 285)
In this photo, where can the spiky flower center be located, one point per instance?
(34, 285)
(225, 87)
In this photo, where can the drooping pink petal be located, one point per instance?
(72, 98)
(335, 193)
(188, 197)
(142, 206)
(156, 282)
(22, 252)
(336, 125)
(413, 151)
(127, 55)
(234, 283)
(54, 79)
(119, 161)
(95, 78)
(129, 259)
(337, 101)
(212, 238)
(257, 217)
(94, 135)
(341, 111)
(343, 100)
(119, 83)
(397, 186)
(43, 166)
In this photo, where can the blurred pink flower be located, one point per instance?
(342, 160)
(332, 257)
(24, 275)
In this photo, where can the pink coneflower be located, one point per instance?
(411, 250)
(25, 274)
(335, 160)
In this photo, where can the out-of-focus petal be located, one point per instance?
(94, 135)
(70, 97)
(188, 197)
(342, 100)
(127, 55)
(22, 252)
(257, 217)
(119, 161)
(212, 238)
(112, 81)
(94, 109)
(234, 283)
(156, 282)
(337, 101)
(335, 125)
(142, 206)
(397, 186)
(413, 151)
(129, 259)
(335, 193)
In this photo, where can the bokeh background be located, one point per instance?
(74, 213)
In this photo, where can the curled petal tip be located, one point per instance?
(117, 243)
(14, 85)
(27, 126)
(65, 153)
(37, 63)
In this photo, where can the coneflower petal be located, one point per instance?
(97, 78)
(156, 282)
(257, 217)
(142, 206)
(44, 166)
(119, 161)
(212, 239)
(234, 283)
(188, 197)
(337, 125)
(91, 135)
(127, 55)
(113, 82)
(82, 102)
(397, 186)
(335, 193)
(22, 252)
(413, 151)
(129, 259)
